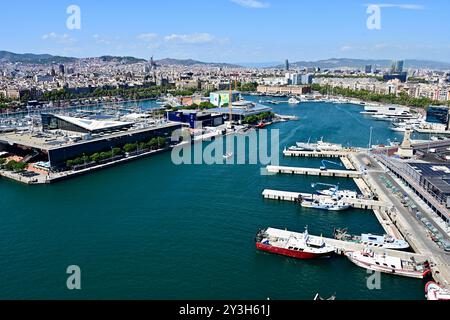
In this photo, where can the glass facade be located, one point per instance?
(437, 115)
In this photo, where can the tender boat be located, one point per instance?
(228, 155)
(293, 101)
(326, 204)
(292, 244)
(385, 242)
(435, 292)
(367, 259)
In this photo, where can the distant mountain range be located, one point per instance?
(360, 63)
(190, 62)
(30, 58)
(6, 56)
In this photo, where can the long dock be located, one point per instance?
(365, 204)
(314, 172)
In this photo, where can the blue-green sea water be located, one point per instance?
(153, 230)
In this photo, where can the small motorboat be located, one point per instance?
(228, 155)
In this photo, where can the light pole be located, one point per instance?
(370, 139)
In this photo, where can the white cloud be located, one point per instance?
(195, 38)
(101, 40)
(405, 6)
(63, 38)
(346, 48)
(381, 46)
(148, 36)
(254, 4)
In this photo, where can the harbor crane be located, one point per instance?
(324, 167)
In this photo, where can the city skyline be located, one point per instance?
(232, 31)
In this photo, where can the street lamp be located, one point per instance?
(370, 139)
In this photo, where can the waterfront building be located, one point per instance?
(433, 177)
(287, 90)
(438, 115)
(241, 110)
(307, 79)
(58, 122)
(294, 79)
(78, 137)
(196, 119)
(397, 66)
(402, 76)
(386, 110)
(287, 65)
(368, 69)
(220, 98)
(396, 72)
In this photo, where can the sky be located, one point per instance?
(235, 31)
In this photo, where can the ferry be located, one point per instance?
(384, 242)
(326, 204)
(435, 292)
(292, 244)
(383, 263)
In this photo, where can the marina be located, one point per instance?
(245, 205)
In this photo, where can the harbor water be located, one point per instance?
(153, 230)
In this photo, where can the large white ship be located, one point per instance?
(319, 146)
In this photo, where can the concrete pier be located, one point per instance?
(347, 163)
(365, 204)
(315, 154)
(314, 172)
(342, 246)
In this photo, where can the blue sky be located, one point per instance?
(230, 30)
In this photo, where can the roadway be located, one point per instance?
(413, 230)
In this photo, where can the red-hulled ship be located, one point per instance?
(292, 244)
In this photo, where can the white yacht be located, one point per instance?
(339, 194)
(367, 259)
(293, 101)
(370, 240)
(326, 204)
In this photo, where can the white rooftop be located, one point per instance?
(94, 125)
